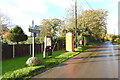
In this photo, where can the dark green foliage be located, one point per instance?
(17, 30)
(17, 35)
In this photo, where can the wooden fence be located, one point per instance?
(20, 50)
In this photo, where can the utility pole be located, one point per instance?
(76, 24)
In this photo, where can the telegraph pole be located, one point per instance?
(76, 24)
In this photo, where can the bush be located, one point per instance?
(117, 40)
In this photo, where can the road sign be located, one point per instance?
(34, 30)
(36, 27)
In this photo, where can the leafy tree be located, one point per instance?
(17, 35)
(3, 29)
(50, 26)
(90, 22)
(94, 21)
(4, 23)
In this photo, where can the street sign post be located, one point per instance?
(34, 30)
(33, 60)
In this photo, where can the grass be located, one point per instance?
(17, 63)
(15, 68)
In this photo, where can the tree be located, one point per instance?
(4, 23)
(94, 21)
(90, 22)
(50, 27)
(3, 29)
(17, 35)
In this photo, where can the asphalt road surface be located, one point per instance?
(96, 62)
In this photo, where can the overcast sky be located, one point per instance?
(22, 12)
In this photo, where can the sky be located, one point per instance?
(22, 12)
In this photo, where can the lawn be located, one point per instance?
(16, 68)
(17, 63)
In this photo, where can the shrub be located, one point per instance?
(117, 40)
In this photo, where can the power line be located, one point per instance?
(88, 4)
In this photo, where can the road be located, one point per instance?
(97, 62)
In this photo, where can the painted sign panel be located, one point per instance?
(34, 30)
(48, 41)
(69, 42)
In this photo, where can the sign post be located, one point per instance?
(33, 51)
(33, 60)
(34, 30)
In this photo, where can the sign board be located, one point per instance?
(34, 30)
(69, 42)
(47, 43)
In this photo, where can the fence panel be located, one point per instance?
(22, 50)
(37, 48)
(7, 51)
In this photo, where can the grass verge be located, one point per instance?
(15, 69)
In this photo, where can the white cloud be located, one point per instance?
(23, 11)
(36, 6)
